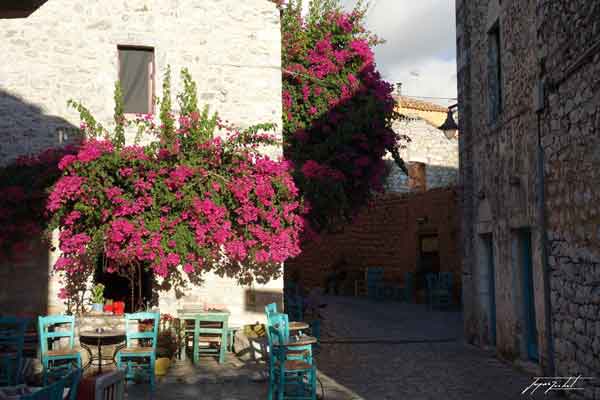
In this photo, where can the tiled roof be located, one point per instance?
(414, 104)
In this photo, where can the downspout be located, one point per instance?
(550, 367)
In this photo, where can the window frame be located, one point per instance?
(151, 73)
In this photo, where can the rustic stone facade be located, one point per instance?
(67, 49)
(428, 145)
(385, 234)
(516, 187)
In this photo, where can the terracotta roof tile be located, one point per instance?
(414, 104)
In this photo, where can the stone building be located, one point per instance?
(400, 232)
(57, 50)
(412, 227)
(429, 153)
(529, 96)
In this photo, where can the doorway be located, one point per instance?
(487, 284)
(429, 259)
(118, 287)
(528, 303)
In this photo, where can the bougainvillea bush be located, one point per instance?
(23, 191)
(189, 202)
(338, 111)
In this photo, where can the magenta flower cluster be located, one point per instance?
(178, 208)
(338, 112)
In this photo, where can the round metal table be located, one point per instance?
(99, 339)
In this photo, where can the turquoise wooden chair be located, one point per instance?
(55, 391)
(439, 289)
(270, 308)
(12, 341)
(138, 356)
(53, 360)
(289, 377)
(211, 329)
(374, 278)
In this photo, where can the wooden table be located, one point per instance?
(99, 339)
(300, 341)
(298, 326)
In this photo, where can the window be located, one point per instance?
(136, 75)
(494, 73)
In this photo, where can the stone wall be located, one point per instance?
(68, 50)
(551, 69)
(385, 234)
(429, 146)
(569, 40)
(499, 175)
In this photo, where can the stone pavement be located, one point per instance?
(370, 351)
(396, 351)
(234, 380)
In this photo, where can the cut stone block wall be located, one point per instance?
(67, 49)
(429, 146)
(551, 88)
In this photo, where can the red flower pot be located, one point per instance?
(119, 307)
(108, 308)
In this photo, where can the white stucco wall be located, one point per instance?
(68, 49)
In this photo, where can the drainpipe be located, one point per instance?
(539, 108)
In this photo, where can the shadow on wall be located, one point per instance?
(256, 300)
(19, 8)
(26, 130)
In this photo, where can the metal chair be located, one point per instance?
(140, 357)
(12, 340)
(47, 327)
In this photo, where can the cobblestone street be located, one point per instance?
(426, 360)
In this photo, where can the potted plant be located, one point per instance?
(108, 306)
(166, 347)
(119, 307)
(97, 297)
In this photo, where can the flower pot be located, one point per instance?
(162, 366)
(97, 307)
(119, 307)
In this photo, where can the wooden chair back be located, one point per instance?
(110, 386)
(137, 335)
(46, 331)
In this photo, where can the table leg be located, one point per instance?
(91, 356)
(99, 356)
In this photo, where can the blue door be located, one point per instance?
(492, 286)
(528, 295)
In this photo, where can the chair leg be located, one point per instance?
(152, 374)
(271, 381)
(45, 373)
(222, 349)
(281, 386)
(313, 384)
